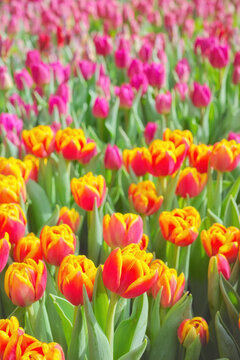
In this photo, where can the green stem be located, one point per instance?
(176, 255)
(110, 319)
(218, 193)
(145, 224)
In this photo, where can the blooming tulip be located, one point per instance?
(39, 140)
(178, 137)
(74, 272)
(155, 74)
(12, 221)
(25, 283)
(122, 58)
(32, 165)
(144, 197)
(88, 189)
(126, 95)
(190, 182)
(199, 156)
(12, 189)
(33, 57)
(28, 247)
(225, 155)
(102, 45)
(40, 73)
(112, 158)
(135, 67)
(5, 247)
(57, 242)
(139, 81)
(8, 327)
(87, 68)
(69, 217)
(219, 56)
(100, 108)
(183, 70)
(139, 159)
(201, 95)
(190, 329)
(57, 102)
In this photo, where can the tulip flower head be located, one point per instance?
(179, 137)
(139, 159)
(12, 189)
(201, 95)
(112, 158)
(190, 182)
(28, 247)
(100, 108)
(225, 155)
(74, 272)
(180, 226)
(191, 328)
(12, 221)
(199, 156)
(8, 327)
(126, 95)
(163, 103)
(223, 266)
(144, 197)
(39, 141)
(69, 217)
(25, 283)
(5, 247)
(150, 131)
(219, 56)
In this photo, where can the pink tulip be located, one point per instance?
(163, 103)
(122, 58)
(100, 108)
(58, 102)
(87, 68)
(139, 81)
(5, 79)
(33, 57)
(135, 67)
(219, 56)
(236, 75)
(150, 131)
(112, 158)
(234, 136)
(40, 74)
(201, 95)
(155, 74)
(126, 95)
(145, 53)
(102, 45)
(181, 89)
(183, 70)
(23, 78)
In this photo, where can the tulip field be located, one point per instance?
(119, 179)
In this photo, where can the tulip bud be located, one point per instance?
(40, 73)
(190, 329)
(112, 158)
(181, 89)
(5, 79)
(236, 75)
(199, 156)
(145, 53)
(69, 217)
(163, 103)
(135, 67)
(155, 74)
(126, 95)
(100, 108)
(190, 182)
(223, 266)
(56, 101)
(139, 81)
(219, 56)
(102, 45)
(183, 70)
(150, 131)
(87, 68)
(28, 247)
(23, 78)
(225, 155)
(201, 95)
(12, 221)
(122, 58)
(33, 57)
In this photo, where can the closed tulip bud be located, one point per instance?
(223, 266)
(199, 156)
(40, 73)
(237, 59)
(28, 247)
(190, 182)
(69, 217)
(135, 67)
(12, 221)
(139, 159)
(112, 158)
(122, 58)
(139, 81)
(102, 44)
(8, 327)
(144, 198)
(145, 53)
(87, 68)
(181, 89)
(155, 74)
(180, 226)
(57, 102)
(57, 242)
(88, 189)
(236, 75)
(5, 79)
(33, 57)
(219, 56)
(126, 272)
(5, 247)
(74, 272)
(166, 157)
(100, 108)
(150, 131)
(39, 140)
(225, 155)
(64, 92)
(121, 230)
(201, 95)
(25, 283)
(221, 240)
(192, 328)
(126, 95)
(163, 103)
(23, 78)
(179, 137)
(183, 70)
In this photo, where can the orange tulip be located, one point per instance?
(225, 155)
(25, 283)
(69, 217)
(28, 247)
(5, 247)
(121, 230)
(144, 197)
(180, 226)
(32, 165)
(166, 157)
(191, 328)
(88, 188)
(11, 189)
(8, 327)
(12, 166)
(178, 137)
(57, 242)
(39, 140)
(139, 159)
(126, 272)
(12, 221)
(74, 146)
(199, 156)
(74, 272)
(221, 240)
(190, 182)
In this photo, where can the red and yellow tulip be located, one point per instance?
(12, 221)
(39, 140)
(69, 217)
(5, 247)
(225, 155)
(191, 328)
(178, 137)
(144, 197)
(139, 159)
(12, 188)
(199, 156)
(28, 247)
(190, 182)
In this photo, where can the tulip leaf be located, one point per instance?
(94, 234)
(231, 216)
(213, 287)
(213, 217)
(111, 121)
(100, 300)
(98, 345)
(52, 221)
(136, 353)
(154, 316)
(19, 313)
(165, 345)
(193, 350)
(130, 333)
(62, 180)
(232, 192)
(78, 340)
(39, 208)
(42, 327)
(227, 346)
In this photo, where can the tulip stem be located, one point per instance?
(176, 256)
(110, 319)
(218, 193)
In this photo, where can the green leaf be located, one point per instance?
(52, 221)
(193, 350)
(111, 121)
(213, 287)
(130, 333)
(232, 192)
(94, 234)
(154, 316)
(213, 217)
(231, 216)
(227, 346)
(78, 344)
(62, 180)
(41, 325)
(135, 354)
(100, 300)
(98, 345)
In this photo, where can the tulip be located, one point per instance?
(201, 95)
(100, 108)
(199, 156)
(23, 78)
(144, 197)
(183, 70)
(237, 59)
(155, 74)
(5, 79)
(33, 57)
(145, 53)
(73, 145)
(121, 230)
(69, 217)
(221, 240)
(12, 189)
(190, 329)
(166, 158)
(234, 136)
(57, 242)
(11, 123)
(182, 90)
(64, 92)
(39, 140)
(236, 75)
(25, 283)
(104, 84)
(12, 166)
(190, 182)
(150, 131)
(180, 226)
(5, 247)
(126, 95)
(225, 155)
(87, 68)
(74, 272)
(8, 327)
(57, 102)
(223, 266)
(219, 56)
(126, 272)
(40, 73)
(112, 158)
(139, 159)
(88, 189)
(205, 45)
(102, 45)
(179, 137)
(122, 58)
(32, 165)
(28, 247)
(12, 221)
(139, 81)
(135, 67)
(59, 72)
